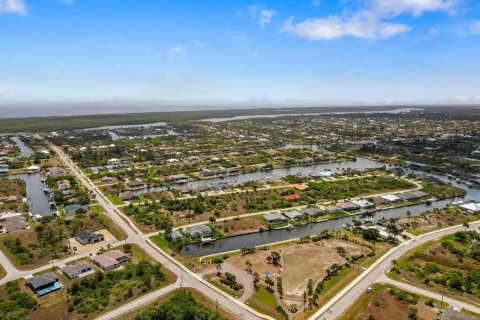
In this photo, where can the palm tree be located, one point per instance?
(466, 226)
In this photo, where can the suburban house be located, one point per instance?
(44, 284)
(73, 208)
(275, 218)
(110, 260)
(388, 199)
(294, 215)
(313, 212)
(13, 223)
(333, 209)
(87, 237)
(129, 196)
(135, 185)
(75, 270)
(198, 231)
(471, 207)
(175, 235)
(363, 204)
(413, 196)
(347, 206)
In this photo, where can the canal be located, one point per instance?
(37, 199)
(24, 150)
(336, 167)
(272, 236)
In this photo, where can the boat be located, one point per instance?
(46, 190)
(289, 227)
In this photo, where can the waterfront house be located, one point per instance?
(363, 204)
(133, 185)
(75, 270)
(413, 196)
(332, 209)
(13, 223)
(347, 206)
(313, 212)
(128, 196)
(74, 208)
(389, 199)
(198, 231)
(175, 235)
(275, 218)
(294, 215)
(110, 260)
(473, 208)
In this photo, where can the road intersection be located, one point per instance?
(186, 278)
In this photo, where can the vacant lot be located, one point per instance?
(389, 304)
(437, 219)
(450, 265)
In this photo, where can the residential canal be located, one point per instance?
(24, 150)
(37, 199)
(267, 237)
(275, 173)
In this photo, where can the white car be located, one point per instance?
(369, 289)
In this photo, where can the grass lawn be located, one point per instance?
(265, 297)
(264, 302)
(159, 241)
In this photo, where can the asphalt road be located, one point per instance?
(186, 277)
(376, 273)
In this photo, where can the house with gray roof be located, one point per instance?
(294, 215)
(198, 231)
(75, 270)
(275, 218)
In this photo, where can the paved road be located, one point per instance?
(135, 236)
(376, 273)
(451, 301)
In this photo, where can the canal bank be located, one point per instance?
(37, 199)
(280, 235)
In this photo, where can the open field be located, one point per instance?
(437, 219)
(449, 265)
(387, 303)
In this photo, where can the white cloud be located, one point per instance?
(335, 27)
(174, 52)
(413, 7)
(13, 7)
(371, 21)
(263, 15)
(5, 90)
(266, 16)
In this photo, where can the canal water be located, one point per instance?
(37, 199)
(275, 173)
(267, 237)
(24, 150)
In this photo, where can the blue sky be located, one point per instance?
(326, 51)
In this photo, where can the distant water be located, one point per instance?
(28, 111)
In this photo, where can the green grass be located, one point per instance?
(330, 284)
(360, 304)
(265, 297)
(116, 200)
(225, 289)
(159, 241)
